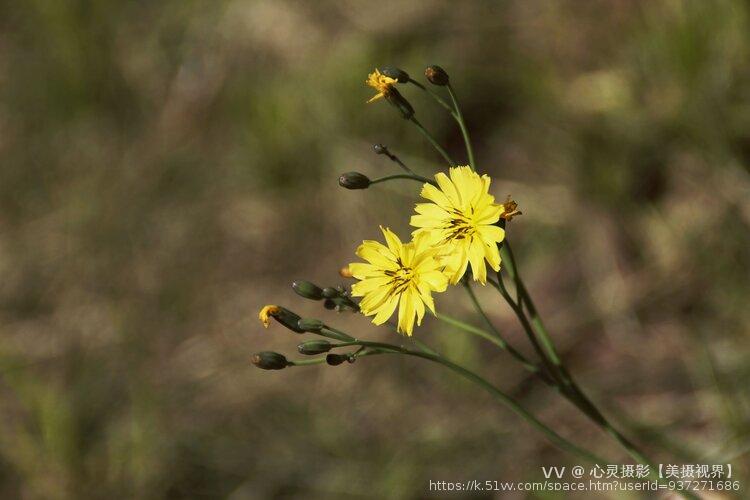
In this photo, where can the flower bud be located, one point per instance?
(310, 325)
(345, 272)
(395, 98)
(354, 180)
(269, 360)
(307, 290)
(436, 75)
(379, 149)
(336, 359)
(314, 347)
(280, 314)
(395, 73)
(329, 304)
(330, 293)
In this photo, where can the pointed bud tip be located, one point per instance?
(436, 75)
(336, 359)
(354, 180)
(308, 290)
(312, 347)
(269, 360)
(396, 73)
(311, 325)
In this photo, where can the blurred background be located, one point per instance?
(168, 168)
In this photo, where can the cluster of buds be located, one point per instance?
(335, 298)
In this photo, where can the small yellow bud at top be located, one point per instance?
(266, 313)
(345, 272)
(509, 209)
(383, 84)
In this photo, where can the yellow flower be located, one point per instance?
(403, 275)
(266, 313)
(462, 219)
(383, 84)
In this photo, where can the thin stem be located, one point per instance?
(529, 365)
(413, 177)
(395, 159)
(432, 94)
(462, 125)
(553, 372)
(506, 254)
(509, 402)
(434, 143)
(472, 329)
(569, 387)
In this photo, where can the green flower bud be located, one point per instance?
(329, 304)
(436, 75)
(307, 290)
(310, 325)
(336, 359)
(397, 100)
(269, 360)
(395, 73)
(314, 347)
(379, 149)
(330, 293)
(354, 180)
(280, 314)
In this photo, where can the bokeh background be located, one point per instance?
(167, 168)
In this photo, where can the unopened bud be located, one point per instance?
(269, 360)
(396, 99)
(336, 359)
(280, 314)
(314, 347)
(345, 272)
(329, 304)
(310, 325)
(307, 290)
(395, 73)
(379, 149)
(436, 75)
(354, 180)
(330, 293)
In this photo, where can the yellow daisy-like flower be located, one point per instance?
(461, 217)
(381, 83)
(403, 275)
(266, 313)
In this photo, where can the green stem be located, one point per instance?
(569, 386)
(413, 177)
(532, 367)
(509, 402)
(432, 94)
(472, 329)
(434, 143)
(506, 253)
(462, 125)
(553, 371)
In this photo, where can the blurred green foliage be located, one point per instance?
(167, 168)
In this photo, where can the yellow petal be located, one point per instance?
(492, 233)
(433, 194)
(476, 257)
(385, 311)
(447, 187)
(369, 285)
(406, 314)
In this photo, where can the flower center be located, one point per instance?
(459, 227)
(400, 278)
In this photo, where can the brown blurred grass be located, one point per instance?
(168, 168)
